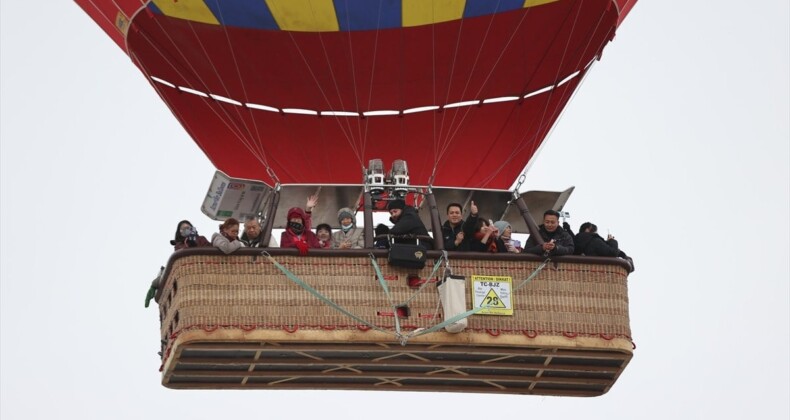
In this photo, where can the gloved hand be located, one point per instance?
(302, 247)
(150, 295)
(566, 226)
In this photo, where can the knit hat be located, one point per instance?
(382, 229)
(396, 204)
(501, 225)
(343, 213)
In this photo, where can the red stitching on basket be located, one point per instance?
(363, 327)
(633, 346)
(607, 337)
(493, 332)
(570, 334)
(328, 327)
(248, 327)
(530, 333)
(290, 328)
(210, 328)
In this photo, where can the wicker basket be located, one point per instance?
(239, 322)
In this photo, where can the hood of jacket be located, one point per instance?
(296, 212)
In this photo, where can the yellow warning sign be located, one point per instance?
(493, 293)
(492, 300)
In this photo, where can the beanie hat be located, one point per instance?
(501, 225)
(345, 212)
(382, 229)
(396, 204)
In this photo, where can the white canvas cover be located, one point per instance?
(452, 293)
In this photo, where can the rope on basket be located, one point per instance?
(294, 278)
(402, 338)
(383, 284)
(459, 317)
(436, 266)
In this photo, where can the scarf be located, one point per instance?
(490, 244)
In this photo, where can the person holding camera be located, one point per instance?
(187, 237)
(589, 242)
(556, 241)
(506, 234)
(486, 238)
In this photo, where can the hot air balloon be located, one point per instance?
(292, 97)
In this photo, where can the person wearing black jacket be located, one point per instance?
(457, 231)
(589, 242)
(406, 221)
(556, 240)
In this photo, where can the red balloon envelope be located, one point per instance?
(309, 91)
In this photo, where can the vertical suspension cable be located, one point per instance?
(453, 132)
(558, 109)
(232, 129)
(227, 120)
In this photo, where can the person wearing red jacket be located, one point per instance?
(298, 234)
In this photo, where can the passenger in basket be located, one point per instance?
(324, 234)
(381, 243)
(505, 233)
(556, 240)
(298, 234)
(252, 235)
(187, 237)
(486, 238)
(589, 242)
(406, 221)
(227, 240)
(348, 236)
(456, 232)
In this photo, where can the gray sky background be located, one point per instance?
(678, 143)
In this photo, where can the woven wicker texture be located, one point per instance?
(250, 292)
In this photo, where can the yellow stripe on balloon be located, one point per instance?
(194, 10)
(426, 12)
(530, 3)
(304, 15)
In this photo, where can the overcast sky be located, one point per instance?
(678, 142)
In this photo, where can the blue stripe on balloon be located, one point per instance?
(154, 8)
(243, 13)
(360, 15)
(487, 7)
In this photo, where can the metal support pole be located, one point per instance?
(436, 225)
(531, 225)
(267, 229)
(368, 218)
